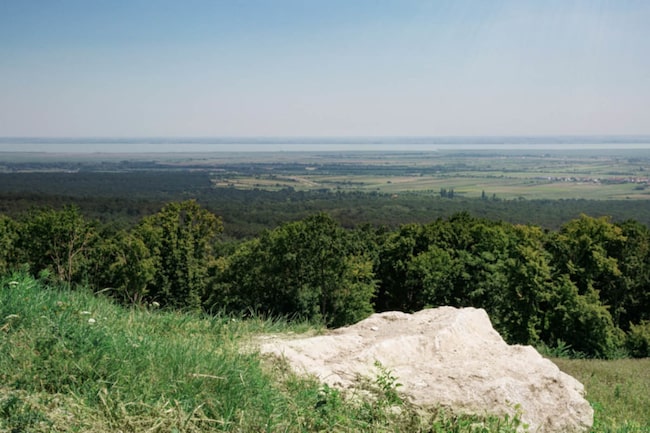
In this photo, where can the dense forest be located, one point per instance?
(581, 287)
(121, 199)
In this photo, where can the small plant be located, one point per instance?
(387, 384)
(560, 350)
(328, 408)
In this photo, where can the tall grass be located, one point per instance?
(118, 369)
(75, 362)
(619, 391)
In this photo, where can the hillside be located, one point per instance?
(74, 361)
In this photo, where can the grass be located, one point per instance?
(75, 362)
(619, 391)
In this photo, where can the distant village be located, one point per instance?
(607, 180)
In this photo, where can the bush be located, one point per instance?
(638, 340)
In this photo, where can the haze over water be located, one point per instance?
(316, 144)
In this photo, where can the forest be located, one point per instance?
(579, 288)
(331, 237)
(122, 198)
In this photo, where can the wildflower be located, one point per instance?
(91, 321)
(155, 304)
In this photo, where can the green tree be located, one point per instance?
(399, 289)
(58, 241)
(631, 302)
(455, 262)
(485, 262)
(8, 239)
(426, 265)
(528, 287)
(638, 340)
(440, 273)
(586, 249)
(234, 283)
(580, 321)
(351, 301)
(310, 268)
(125, 266)
(179, 242)
(564, 292)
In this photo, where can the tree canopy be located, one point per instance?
(584, 286)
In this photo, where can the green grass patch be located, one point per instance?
(129, 369)
(73, 361)
(619, 391)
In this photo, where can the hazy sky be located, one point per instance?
(324, 68)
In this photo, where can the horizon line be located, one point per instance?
(327, 138)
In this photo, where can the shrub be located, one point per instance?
(638, 340)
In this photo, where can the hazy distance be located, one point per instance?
(335, 68)
(316, 144)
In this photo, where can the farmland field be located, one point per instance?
(257, 190)
(509, 175)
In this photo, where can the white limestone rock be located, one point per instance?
(445, 357)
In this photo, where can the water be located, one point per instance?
(316, 144)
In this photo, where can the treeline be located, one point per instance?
(584, 286)
(123, 199)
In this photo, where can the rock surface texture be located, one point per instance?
(445, 357)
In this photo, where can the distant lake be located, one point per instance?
(317, 144)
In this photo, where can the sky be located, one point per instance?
(202, 68)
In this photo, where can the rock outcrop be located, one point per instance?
(445, 357)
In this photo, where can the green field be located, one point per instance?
(505, 174)
(468, 185)
(472, 174)
(618, 390)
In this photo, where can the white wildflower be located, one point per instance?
(91, 321)
(155, 304)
